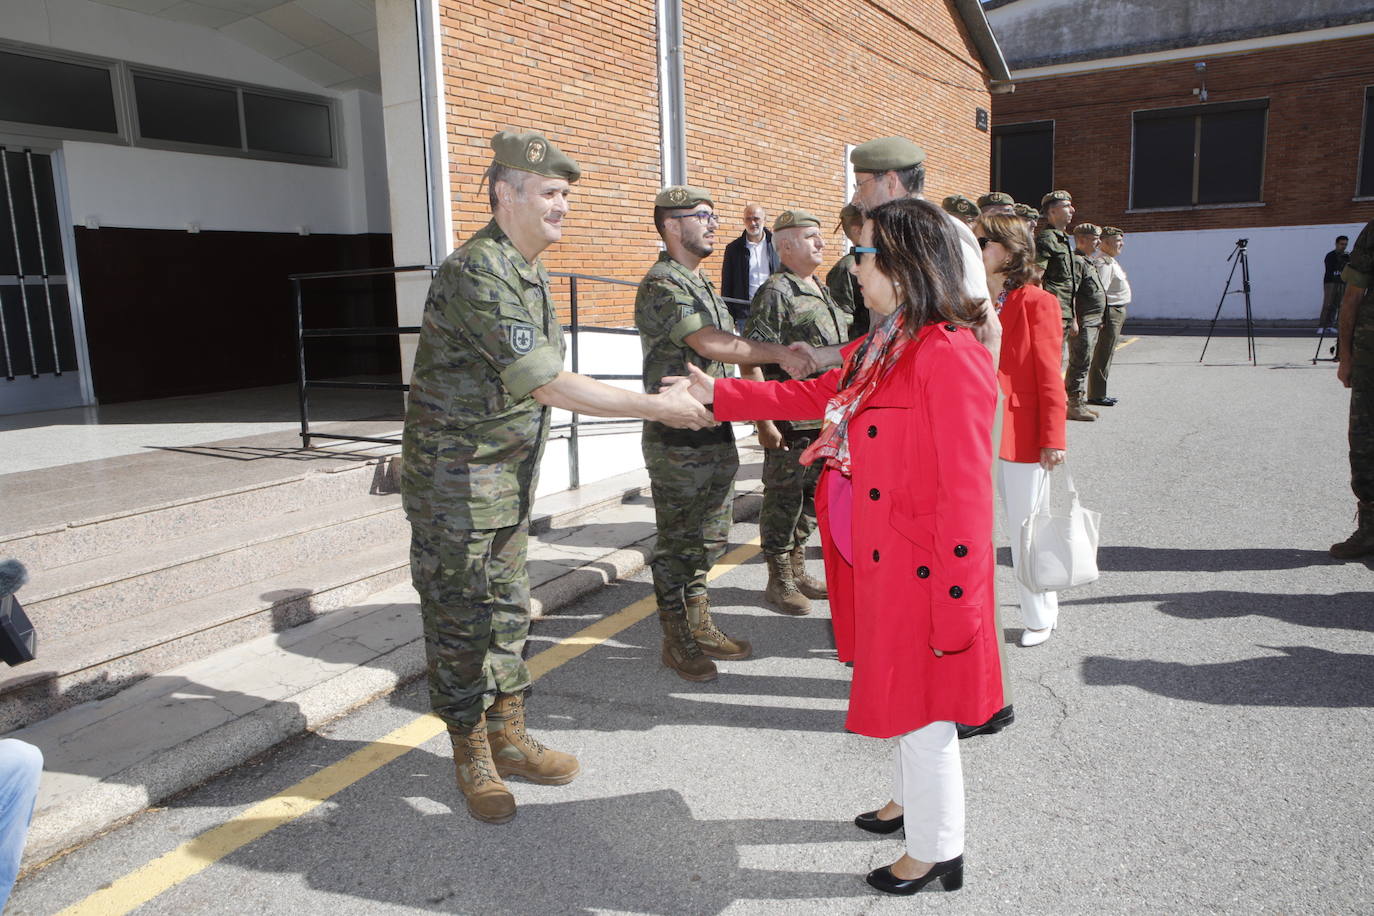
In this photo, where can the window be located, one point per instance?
(1023, 160)
(292, 126)
(57, 93)
(1201, 155)
(186, 112)
(1366, 182)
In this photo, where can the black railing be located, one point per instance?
(305, 384)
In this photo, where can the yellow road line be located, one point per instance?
(163, 873)
(1126, 343)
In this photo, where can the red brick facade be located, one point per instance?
(1316, 98)
(774, 91)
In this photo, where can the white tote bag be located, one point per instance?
(1057, 549)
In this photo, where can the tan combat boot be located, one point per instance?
(811, 588)
(1361, 543)
(782, 591)
(681, 652)
(709, 637)
(487, 796)
(1078, 412)
(518, 754)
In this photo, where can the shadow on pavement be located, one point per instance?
(1347, 610)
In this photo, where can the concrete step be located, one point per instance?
(84, 596)
(105, 659)
(63, 543)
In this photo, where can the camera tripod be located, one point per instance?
(1243, 262)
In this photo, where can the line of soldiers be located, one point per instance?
(1081, 269)
(488, 371)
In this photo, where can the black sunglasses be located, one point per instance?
(983, 241)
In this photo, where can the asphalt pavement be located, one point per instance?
(1194, 738)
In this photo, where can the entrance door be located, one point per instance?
(38, 337)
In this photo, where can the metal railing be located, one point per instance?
(305, 384)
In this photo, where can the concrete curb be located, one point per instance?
(83, 807)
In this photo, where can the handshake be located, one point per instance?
(683, 400)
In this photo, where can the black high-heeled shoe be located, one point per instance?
(950, 872)
(870, 821)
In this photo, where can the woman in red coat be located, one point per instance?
(1033, 414)
(905, 503)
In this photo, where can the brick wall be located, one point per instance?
(1316, 98)
(775, 90)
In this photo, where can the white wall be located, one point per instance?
(1182, 274)
(156, 189)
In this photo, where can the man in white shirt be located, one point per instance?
(1118, 297)
(749, 260)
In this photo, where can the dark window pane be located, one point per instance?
(55, 93)
(1367, 166)
(1231, 157)
(186, 112)
(1025, 164)
(1163, 163)
(277, 125)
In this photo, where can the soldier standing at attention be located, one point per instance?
(1118, 290)
(1089, 304)
(1355, 353)
(960, 207)
(791, 306)
(840, 279)
(488, 368)
(1029, 214)
(996, 202)
(681, 319)
(1054, 253)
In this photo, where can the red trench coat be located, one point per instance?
(922, 577)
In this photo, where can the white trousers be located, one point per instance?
(928, 782)
(1018, 482)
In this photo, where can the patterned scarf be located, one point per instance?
(863, 370)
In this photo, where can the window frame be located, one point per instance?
(1020, 127)
(126, 110)
(1197, 111)
(1366, 144)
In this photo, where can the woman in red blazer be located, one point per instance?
(905, 502)
(1034, 411)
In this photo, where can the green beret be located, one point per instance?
(794, 219)
(1026, 211)
(995, 199)
(532, 152)
(1055, 197)
(1111, 230)
(681, 197)
(1087, 229)
(960, 206)
(886, 154)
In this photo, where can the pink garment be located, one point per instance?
(840, 499)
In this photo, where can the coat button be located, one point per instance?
(950, 327)
(873, 494)
(961, 551)
(923, 572)
(872, 432)
(956, 592)
(875, 556)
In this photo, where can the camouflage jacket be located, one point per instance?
(1089, 296)
(1054, 253)
(786, 310)
(473, 434)
(1359, 272)
(672, 304)
(845, 289)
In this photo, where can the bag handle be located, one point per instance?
(1042, 495)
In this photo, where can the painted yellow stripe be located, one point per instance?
(1126, 343)
(162, 874)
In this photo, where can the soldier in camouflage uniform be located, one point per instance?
(487, 370)
(1355, 352)
(1054, 253)
(840, 279)
(1029, 214)
(996, 202)
(960, 207)
(681, 319)
(791, 306)
(1089, 305)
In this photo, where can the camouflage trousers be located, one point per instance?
(694, 488)
(1362, 410)
(788, 515)
(1081, 357)
(1104, 350)
(475, 603)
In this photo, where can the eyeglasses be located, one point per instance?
(705, 217)
(983, 241)
(861, 250)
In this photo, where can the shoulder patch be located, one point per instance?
(686, 311)
(521, 337)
